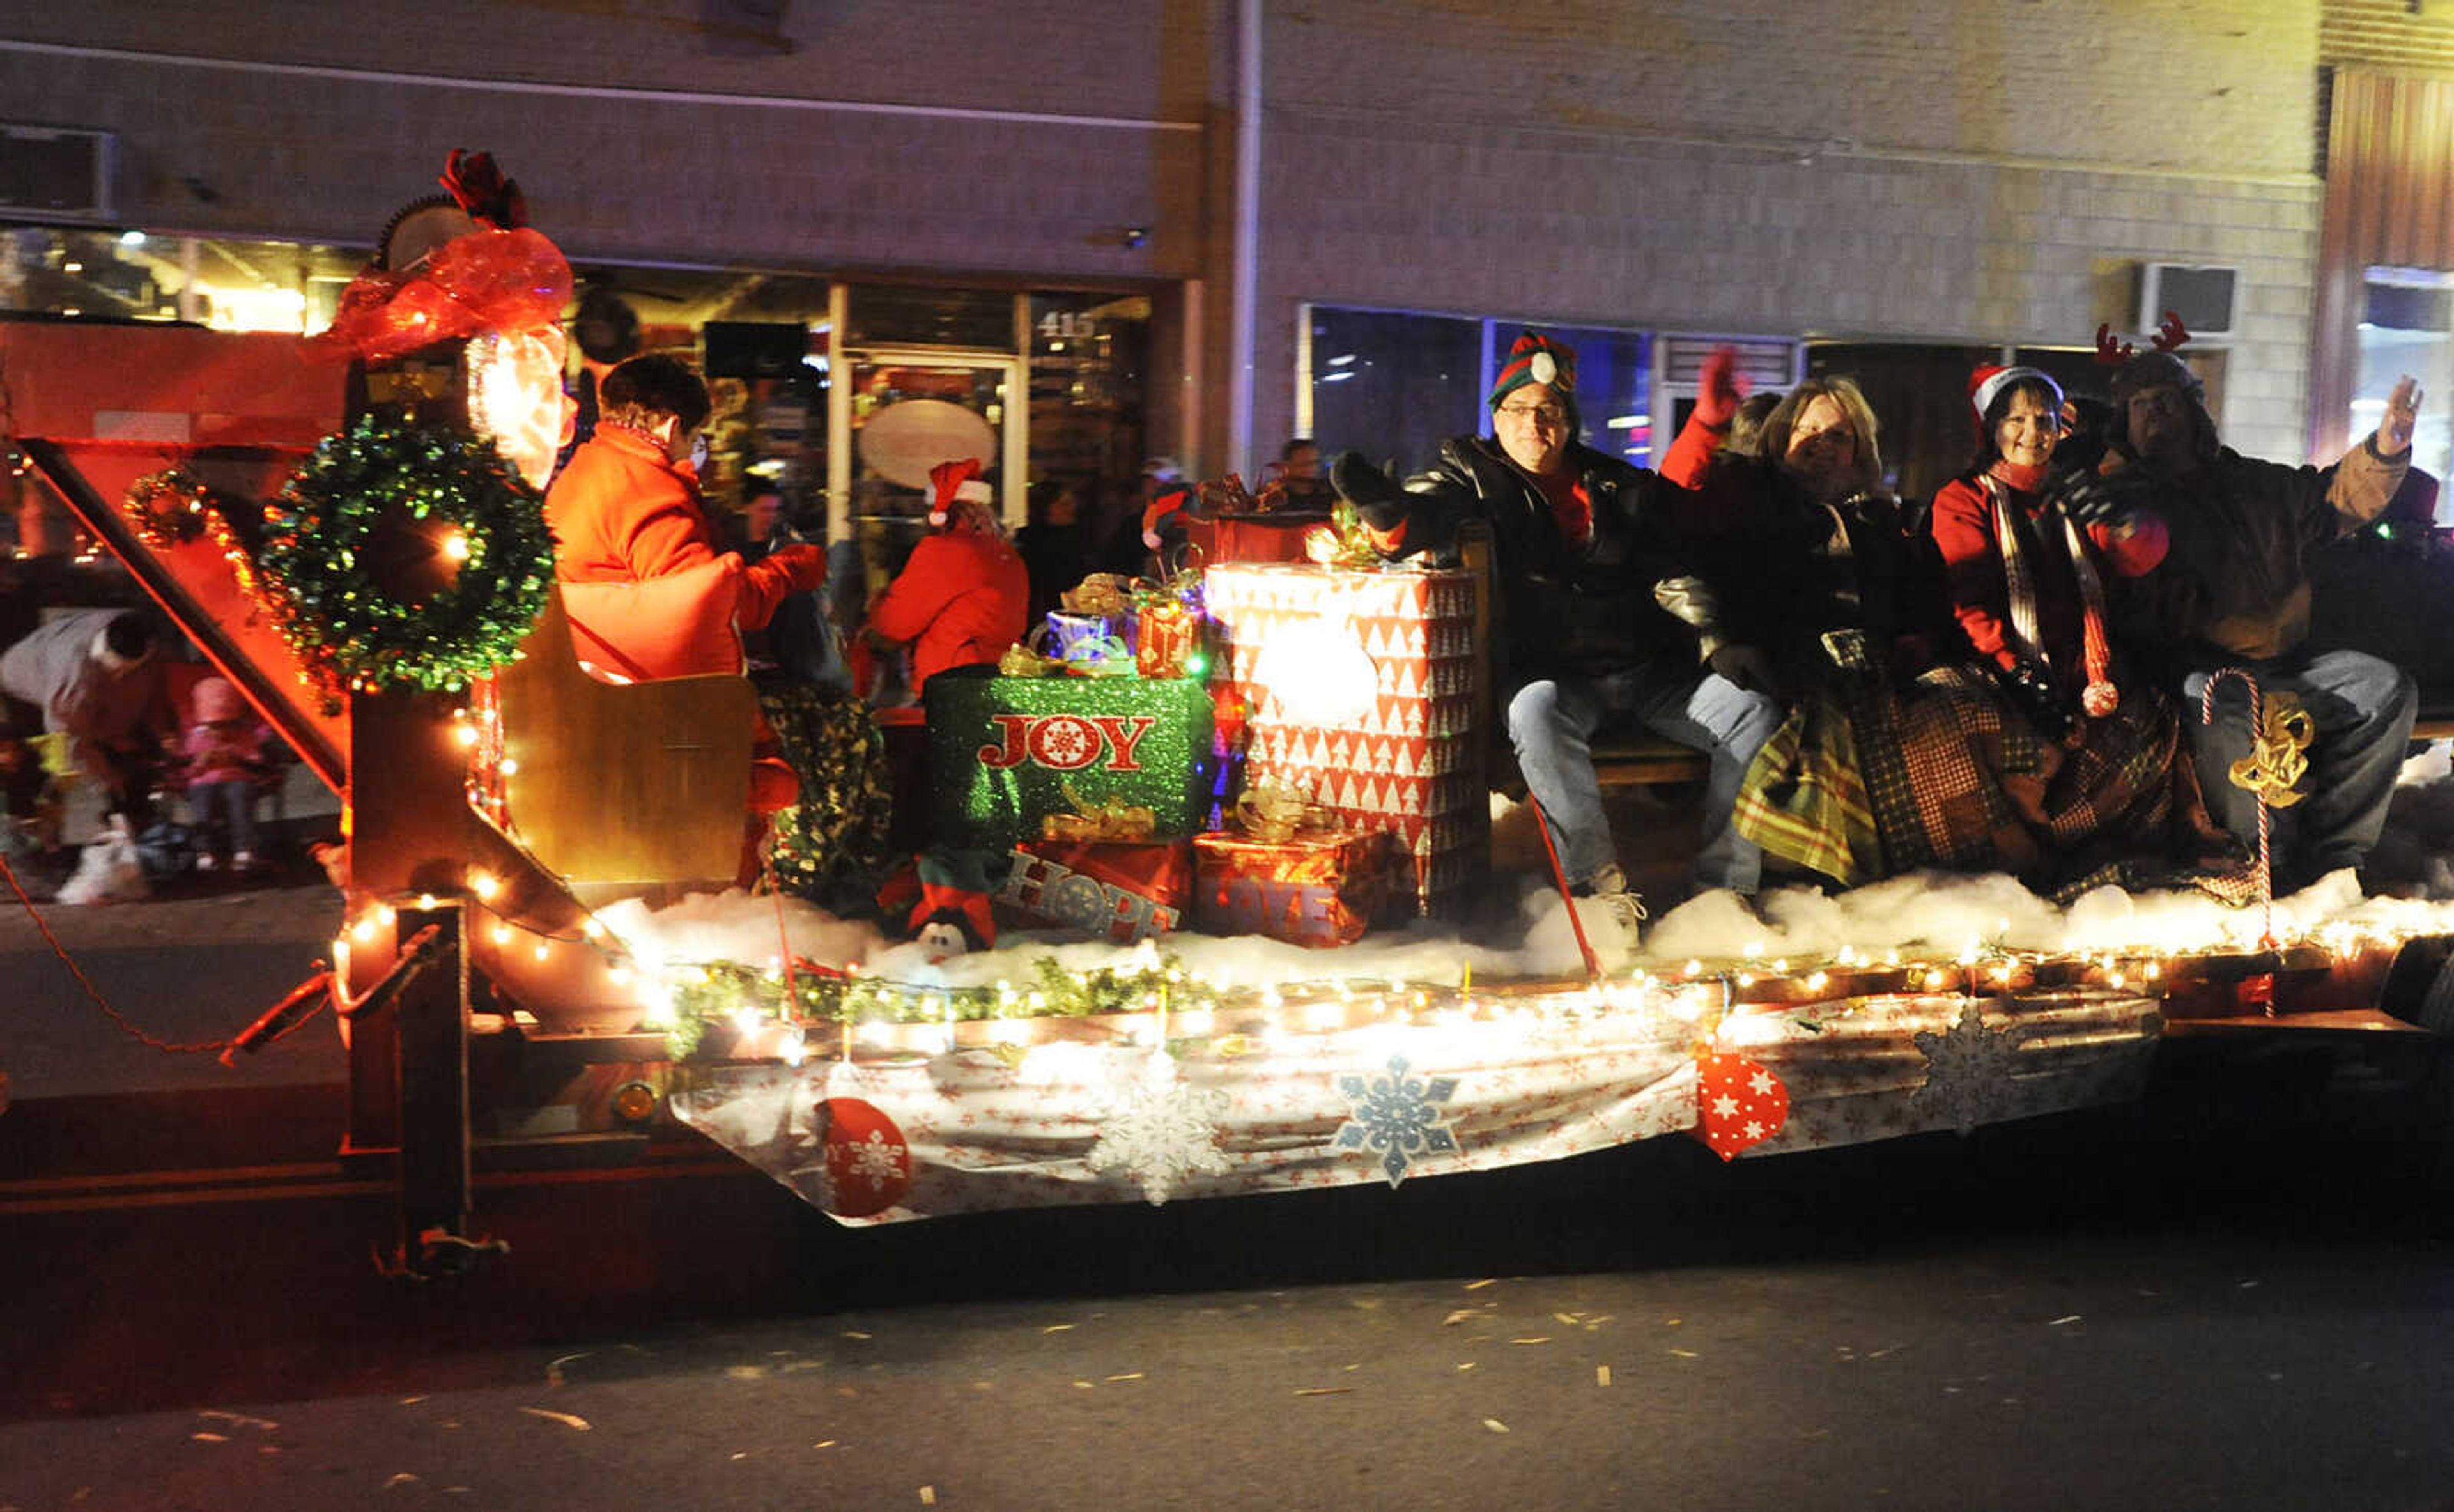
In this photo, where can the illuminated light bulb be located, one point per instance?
(2114, 980)
(425, 901)
(1195, 1022)
(482, 882)
(502, 933)
(455, 547)
(1935, 978)
(540, 950)
(1781, 967)
(2155, 969)
(1891, 957)
(1691, 968)
(509, 766)
(1817, 982)
(1755, 949)
(363, 931)
(592, 927)
(1747, 978)
(465, 734)
(385, 916)
(1325, 1015)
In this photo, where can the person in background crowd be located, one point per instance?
(963, 595)
(2234, 591)
(2096, 770)
(627, 512)
(1299, 470)
(95, 676)
(1055, 551)
(226, 769)
(605, 331)
(1578, 643)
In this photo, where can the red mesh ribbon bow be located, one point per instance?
(478, 186)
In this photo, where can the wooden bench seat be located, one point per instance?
(1645, 760)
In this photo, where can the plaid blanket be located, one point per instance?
(1864, 781)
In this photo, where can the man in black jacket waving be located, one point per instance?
(1579, 539)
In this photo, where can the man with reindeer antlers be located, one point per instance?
(2234, 592)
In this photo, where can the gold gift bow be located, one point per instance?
(2275, 764)
(1106, 820)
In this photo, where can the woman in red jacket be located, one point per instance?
(964, 595)
(2025, 559)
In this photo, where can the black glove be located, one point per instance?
(2031, 688)
(2099, 500)
(1376, 495)
(1747, 666)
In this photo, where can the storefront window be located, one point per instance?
(225, 284)
(2408, 328)
(1089, 353)
(1393, 385)
(913, 315)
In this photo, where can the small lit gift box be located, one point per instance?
(1007, 754)
(1317, 887)
(1364, 689)
(1124, 891)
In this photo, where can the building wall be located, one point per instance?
(784, 160)
(1843, 168)
(2384, 34)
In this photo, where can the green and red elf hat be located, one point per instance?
(1537, 358)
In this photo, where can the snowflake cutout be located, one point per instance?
(876, 1161)
(1068, 743)
(1396, 1117)
(1967, 1070)
(1163, 1133)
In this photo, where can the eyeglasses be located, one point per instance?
(1549, 414)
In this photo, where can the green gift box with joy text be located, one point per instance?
(1007, 752)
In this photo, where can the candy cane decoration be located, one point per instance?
(2256, 788)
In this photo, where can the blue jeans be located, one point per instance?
(2362, 708)
(1551, 725)
(233, 804)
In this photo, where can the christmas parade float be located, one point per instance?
(1209, 906)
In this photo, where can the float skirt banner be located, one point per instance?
(1364, 691)
(1092, 1119)
(1007, 752)
(1124, 893)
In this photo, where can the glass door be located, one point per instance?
(904, 412)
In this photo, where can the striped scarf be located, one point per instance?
(2098, 696)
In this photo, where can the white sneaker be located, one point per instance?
(206, 862)
(1613, 917)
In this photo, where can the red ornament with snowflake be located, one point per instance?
(869, 1162)
(1739, 1103)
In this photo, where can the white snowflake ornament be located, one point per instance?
(1967, 1071)
(1162, 1133)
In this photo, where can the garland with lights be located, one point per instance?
(167, 509)
(453, 489)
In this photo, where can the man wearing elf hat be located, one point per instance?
(2234, 591)
(1579, 538)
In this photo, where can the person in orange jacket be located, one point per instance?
(627, 512)
(964, 595)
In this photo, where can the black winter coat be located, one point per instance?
(1558, 610)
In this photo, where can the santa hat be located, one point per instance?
(1537, 358)
(1988, 381)
(957, 482)
(965, 909)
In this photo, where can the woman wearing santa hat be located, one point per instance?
(964, 595)
(2026, 554)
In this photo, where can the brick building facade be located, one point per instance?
(1884, 171)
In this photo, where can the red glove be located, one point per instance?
(1718, 388)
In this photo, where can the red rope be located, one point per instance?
(200, 1047)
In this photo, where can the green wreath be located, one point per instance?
(406, 555)
(167, 509)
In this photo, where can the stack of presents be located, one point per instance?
(1261, 747)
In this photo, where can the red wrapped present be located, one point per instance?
(1126, 892)
(1318, 888)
